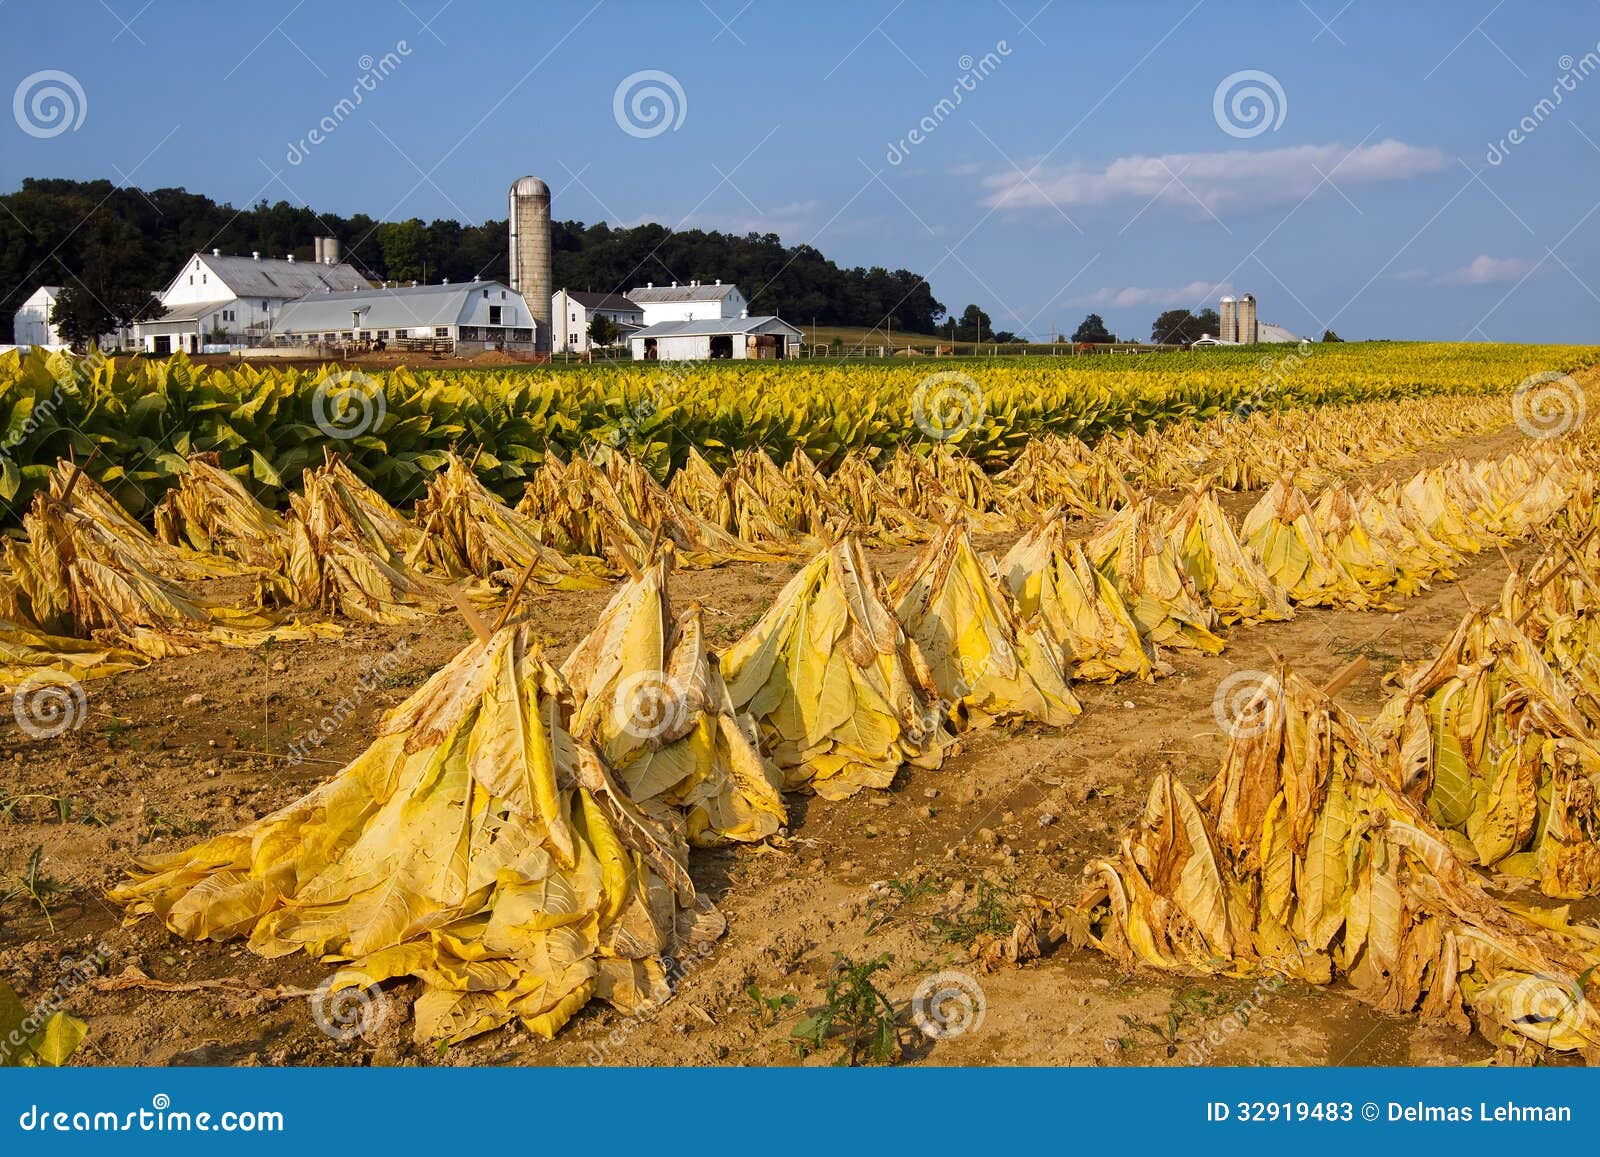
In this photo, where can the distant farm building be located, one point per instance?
(32, 325)
(696, 301)
(714, 339)
(470, 317)
(573, 311)
(222, 303)
(1238, 325)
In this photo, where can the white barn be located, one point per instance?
(695, 301)
(471, 316)
(32, 325)
(572, 311)
(714, 339)
(233, 302)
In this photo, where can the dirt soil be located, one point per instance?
(191, 747)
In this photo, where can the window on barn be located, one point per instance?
(441, 331)
(494, 315)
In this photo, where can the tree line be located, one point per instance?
(118, 245)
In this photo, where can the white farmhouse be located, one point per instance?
(695, 301)
(233, 302)
(471, 316)
(715, 339)
(33, 325)
(572, 311)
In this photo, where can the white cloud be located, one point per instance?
(1485, 270)
(1195, 292)
(1223, 182)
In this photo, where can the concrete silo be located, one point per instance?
(1247, 319)
(1229, 314)
(530, 252)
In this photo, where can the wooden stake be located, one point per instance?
(470, 613)
(77, 472)
(516, 592)
(1346, 675)
(1575, 552)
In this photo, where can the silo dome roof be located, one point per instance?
(530, 187)
(1227, 299)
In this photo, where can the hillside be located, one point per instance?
(56, 231)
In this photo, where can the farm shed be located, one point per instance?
(692, 301)
(715, 339)
(33, 325)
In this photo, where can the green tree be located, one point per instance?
(1172, 327)
(404, 245)
(1180, 327)
(1329, 335)
(83, 317)
(603, 331)
(1093, 329)
(973, 325)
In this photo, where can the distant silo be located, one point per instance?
(1247, 319)
(1230, 320)
(330, 251)
(530, 252)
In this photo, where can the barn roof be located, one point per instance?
(270, 277)
(189, 311)
(713, 326)
(398, 307)
(671, 294)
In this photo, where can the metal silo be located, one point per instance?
(1247, 319)
(530, 252)
(1230, 320)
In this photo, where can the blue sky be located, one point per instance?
(1089, 163)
